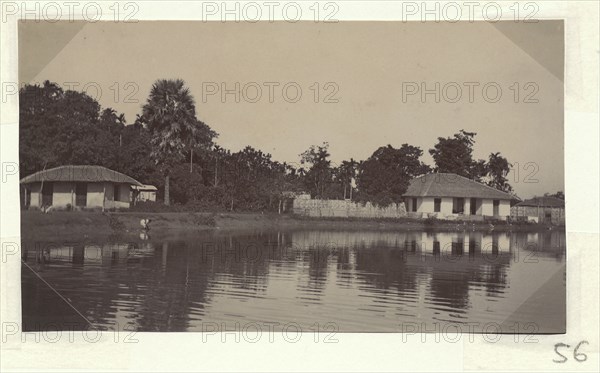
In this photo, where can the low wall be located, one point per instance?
(346, 209)
(554, 215)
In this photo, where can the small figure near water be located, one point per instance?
(145, 223)
(46, 209)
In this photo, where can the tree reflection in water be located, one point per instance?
(362, 280)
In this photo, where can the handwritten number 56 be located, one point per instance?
(579, 356)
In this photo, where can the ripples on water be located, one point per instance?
(358, 281)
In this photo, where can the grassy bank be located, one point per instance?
(36, 225)
(65, 225)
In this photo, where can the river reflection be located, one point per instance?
(357, 280)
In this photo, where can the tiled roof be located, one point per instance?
(452, 185)
(145, 187)
(543, 201)
(80, 174)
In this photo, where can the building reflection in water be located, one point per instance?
(175, 285)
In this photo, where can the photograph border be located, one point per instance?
(352, 351)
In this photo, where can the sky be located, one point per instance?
(369, 77)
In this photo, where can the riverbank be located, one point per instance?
(66, 225)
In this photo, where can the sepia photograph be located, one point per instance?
(327, 177)
(295, 179)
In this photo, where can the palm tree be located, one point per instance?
(347, 173)
(121, 119)
(170, 115)
(217, 154)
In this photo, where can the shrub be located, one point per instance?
(430, 221)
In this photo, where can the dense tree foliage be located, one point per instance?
(168, 146)
(560, 195)
(66, 127)
(385, 175)
(318, 179)
(455, 155)
(497, 169)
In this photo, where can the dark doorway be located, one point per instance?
(496, 207)
(81, 194)
(473, 206)
(437, 205)
(116, 192)
(47, 192)
(26, 197)
(458, 206)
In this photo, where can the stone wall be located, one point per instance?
(345, 209)
(554, 215)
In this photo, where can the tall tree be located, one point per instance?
(200, 141)
(384, 177)
(170, 116)
(497, 169)
(136, 150)
(218, 153)
(455, 155)
(347, 172)
(319, 175)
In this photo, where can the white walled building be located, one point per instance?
(144, 193)
(78, 187)
(547, 210)
(450, 196)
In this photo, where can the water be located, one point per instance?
(346, 281)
